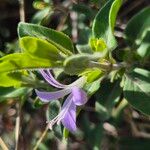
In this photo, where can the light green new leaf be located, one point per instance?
(137, 27)
(22, 61)
(10, 79)
(36, 47)
(58, 39)
(137, 90)
(11, 92)
(104, 22)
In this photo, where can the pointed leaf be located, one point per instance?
(103, 26)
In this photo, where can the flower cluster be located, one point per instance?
(76, 97)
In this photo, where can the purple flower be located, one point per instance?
(76, 97)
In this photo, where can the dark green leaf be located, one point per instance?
(42, 17)
(129, 143)
(137, 89)
(83, 9)
(144, 49)
(108, 100)
(137, 26)
(11, 92)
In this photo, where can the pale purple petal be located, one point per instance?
(48, 96)
(79, 96)
(69, 119)
(50, 79)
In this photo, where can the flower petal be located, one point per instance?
(79, 96)
(51, 80)
(69, 120)
(48, 96)
(78, 83)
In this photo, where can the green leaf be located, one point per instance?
(84, 48)
(106, 100)
(91, 88)
(83, 9)
(76, 64)
(11, 92)
(10, 79)
(42, 17)
(21, 61)
(36, 47)
(104, 22)
(137, 26)
(137, 89)
(93, 75)
(58, 39)
(144, 49)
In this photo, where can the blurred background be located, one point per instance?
(124, 129)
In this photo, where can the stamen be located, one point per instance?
(62, 113)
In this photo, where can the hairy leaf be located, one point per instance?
(22, 61)
(76, 64)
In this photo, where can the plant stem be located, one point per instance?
(107, 66)
(41, 138)
(3, 145)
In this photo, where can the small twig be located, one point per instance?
(22, 10)
(41, 138)
(74, 20)
(17, 128)
(3, 145)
